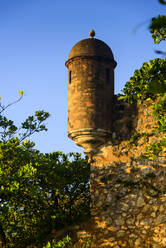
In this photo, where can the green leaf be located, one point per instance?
(21, 92)
(155, 87)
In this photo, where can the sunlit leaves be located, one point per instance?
(34, 123)
(149, 83)
(20, 190)
(146, 82)
(21, 92)
(158, 28)
(61, 244)
(41, 115)
(40, 192)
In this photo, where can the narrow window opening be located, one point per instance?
(107, 74)
(69, 77)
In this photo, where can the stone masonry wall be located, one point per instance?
(128, 194)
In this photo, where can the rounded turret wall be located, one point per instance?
(90, 92)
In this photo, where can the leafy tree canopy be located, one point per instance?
(39, 193)
(158, 28)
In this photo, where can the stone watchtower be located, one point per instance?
(128, 193)
(90, 95)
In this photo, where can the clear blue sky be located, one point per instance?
(36, 37)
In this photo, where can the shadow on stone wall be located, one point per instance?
(124, 124)
(125, 119)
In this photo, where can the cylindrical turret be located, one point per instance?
(90, 93)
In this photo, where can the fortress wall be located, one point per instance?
(128, 193)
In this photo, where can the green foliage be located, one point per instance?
(34, 124)
(31, 125)
(66, 242)
(21, 92)
(154, 149)
(158, 28)
(136, 136)
(160, 113)
(146, 82)
(38, 192)
(149, 83)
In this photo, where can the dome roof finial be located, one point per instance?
(91, 33)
